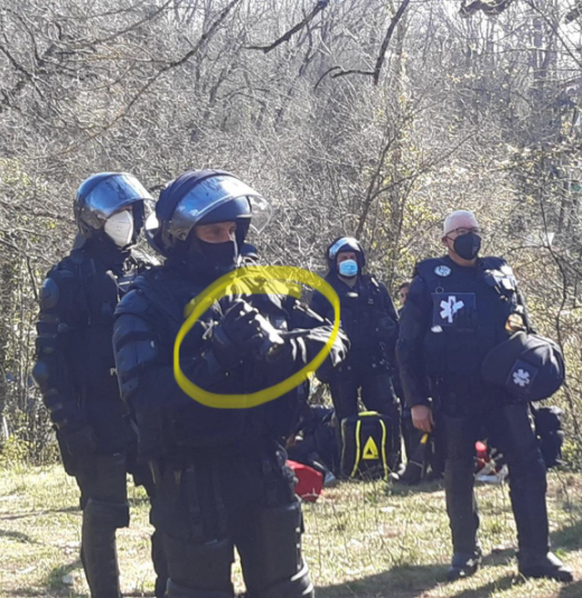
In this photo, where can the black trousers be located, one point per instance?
(459, 425)
(207, 504)
(364, 372)
(102, 480)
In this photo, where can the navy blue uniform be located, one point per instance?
(369, 319)
(452, 318)
(75, 370)
(220, 473)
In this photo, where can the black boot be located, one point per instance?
(547, 566)
(464, 564)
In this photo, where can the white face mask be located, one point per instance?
(119, 228)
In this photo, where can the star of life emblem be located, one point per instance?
(521, 378)
(450, 307)
(446, 307)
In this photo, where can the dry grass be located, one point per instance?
(364, 540)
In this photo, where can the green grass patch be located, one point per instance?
(364, 540)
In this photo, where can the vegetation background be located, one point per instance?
(366, 117)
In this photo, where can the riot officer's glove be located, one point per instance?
(243, 331)
(466, 320)
(80, 442)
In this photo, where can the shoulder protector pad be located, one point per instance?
(499, 273)
(49, 293)
(63, 271)
(135, 302)
(135, 348)
(497, 263)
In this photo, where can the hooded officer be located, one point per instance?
(458, 308)
(75, 366)
(221, 479)
(370, 321)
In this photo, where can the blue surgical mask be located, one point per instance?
(348, 268)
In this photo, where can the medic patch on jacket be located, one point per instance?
(521, 377)
(442, 271)
(448, 306)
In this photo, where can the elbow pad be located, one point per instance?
(135, 347)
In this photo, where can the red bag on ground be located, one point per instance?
(309, 482)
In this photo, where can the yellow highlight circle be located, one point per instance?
(254, 280)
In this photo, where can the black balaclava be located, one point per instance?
(101, 247)
(211, 260)
(221, 257)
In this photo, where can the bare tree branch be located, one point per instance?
(387, 38)
(321, 4)
(491, 8)
(204, 38)
(381, 56)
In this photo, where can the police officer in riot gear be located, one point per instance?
(75, 366)
(458, 308)
(369, 318)
(221, 479)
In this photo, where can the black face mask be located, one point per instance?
(216, 257)
(467, 246)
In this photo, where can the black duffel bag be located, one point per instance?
(528, 366)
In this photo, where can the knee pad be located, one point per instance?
(177, 591)
(299, 586)
(201, 568)
(273, 555)
(99, 514)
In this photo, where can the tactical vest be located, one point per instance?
(469, 310)
(169, 292)
(101, 290)
(87, 346)
(360, 307)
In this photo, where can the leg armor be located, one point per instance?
(269, 543)
(99, 553)
(512, 433)
(199, 570)
(160, 565)
(143, 475)
(105, 508)
(197, 548)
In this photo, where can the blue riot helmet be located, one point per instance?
(250, 253)
(101, 196)
(203, 197)
(344, 244)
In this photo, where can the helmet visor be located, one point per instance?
(345, 243)
(114, 193)
(207, 196)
